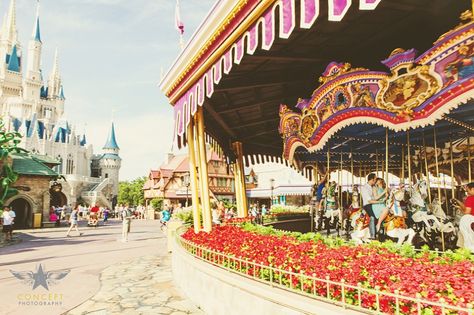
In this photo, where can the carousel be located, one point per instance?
(413, 121)
(382, 87)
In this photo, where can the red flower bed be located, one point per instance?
(432, 278)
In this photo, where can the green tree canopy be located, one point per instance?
(131, 193)
(8, 144)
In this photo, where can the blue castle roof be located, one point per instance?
(111, 141)
(14, 61)
(37, 33)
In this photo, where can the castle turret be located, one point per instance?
(33, 80)
(110, 161)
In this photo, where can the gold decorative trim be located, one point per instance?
(254, 16)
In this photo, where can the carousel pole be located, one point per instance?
(452, 168)
(352, 170)
(204, 177)
(193, 176)
(469, 151)
(438, 182)
(428, 183)
(386, 160)
(360, 181)
(437, 166)
(340, 182)
(328, 177)
(402, 171)
(409, 157)
(377, 162)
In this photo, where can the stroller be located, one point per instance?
(93, 220)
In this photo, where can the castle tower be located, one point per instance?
(33, 79)
(110, 161)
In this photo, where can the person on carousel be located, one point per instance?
(380, 195)
(467, 220)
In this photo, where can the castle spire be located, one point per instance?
(111, 141)
(55, 72)
(11, 33)
(54, 85)
(36, 28)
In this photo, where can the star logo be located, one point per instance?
(41, 277)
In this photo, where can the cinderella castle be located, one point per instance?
(35, 108)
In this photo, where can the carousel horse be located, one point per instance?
(395, 225)
(329, 212)
(419, 210)
(361, 232)
(351, 213)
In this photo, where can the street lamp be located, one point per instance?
(186, 183)
(272, 182)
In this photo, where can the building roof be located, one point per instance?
(154, 174)
(25, 164)
(111, 141)
(111, 156)
(14, 61)
(46, 159)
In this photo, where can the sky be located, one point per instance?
(111, 55)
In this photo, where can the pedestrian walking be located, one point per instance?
(165, 217)
(8, 218)
(126, 222)
(105, 214)
(73, 220)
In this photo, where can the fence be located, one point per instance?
(371, 301)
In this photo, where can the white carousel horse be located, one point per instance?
(361, 233)
(395, 226)
(418, 207)
(438, 212)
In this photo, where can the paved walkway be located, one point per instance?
(139, 286)
(86, 257)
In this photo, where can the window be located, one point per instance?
(106, 175)
(69, 164)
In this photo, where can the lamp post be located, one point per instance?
(272, 182)
(186, 183)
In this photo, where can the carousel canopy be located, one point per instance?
(246, 60)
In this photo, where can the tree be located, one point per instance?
(8, 143)
(131, 192)
(157, 203)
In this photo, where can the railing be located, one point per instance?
(324, 290)
(82, 178)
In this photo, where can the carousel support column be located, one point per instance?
(237, 147)
(360, 182)
(238, 193)
(203, 175)
(428, 183)
(193, 176)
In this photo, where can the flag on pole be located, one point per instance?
(177, 19)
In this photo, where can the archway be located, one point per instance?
(23, 212)
(58, 199)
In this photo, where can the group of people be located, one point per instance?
(220, 213)
(258, 212)
(377, 205)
